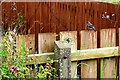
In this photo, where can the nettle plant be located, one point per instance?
(13, 59)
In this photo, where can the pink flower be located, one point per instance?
(14, 30)
(18, 69)
(105, 12)
(107, 16)
(113, 14)
(9, 73)
(14, 67)
(10, 38)
(16, 75)
(11, 68)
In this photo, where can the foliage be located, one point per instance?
(47, 71)
(13, 60)
(12, 57)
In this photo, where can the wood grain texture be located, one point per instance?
(29, 42)
(108, 39)
(84, 55)
(119, 36)
(73, 69)
(37, 22)
(46, 42)
(72, 35)
(108, 67)
(30, 17)
(119, 49)
(95, 53)
(89, 71)
(88, 41)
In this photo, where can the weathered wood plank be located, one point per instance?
(72, 35)
(119, 57)
(73, 69)
(39, 58)
(29, 42)
(88, 41)
(119, 36)
(89, 71)
(84, 54)
(107, 39)
(95, 53)
(46, 42)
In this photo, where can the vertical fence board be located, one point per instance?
(46, 17)
(72, 16)
(30, 17)
(88, 41)
(53, 20)
(72, 35)
(29, 42)
(83, 16)
(58, 8)
(73, 69)
(46, 42)
(20, 9)
(37, 23)
(108, 39)
(119, 57)
(41, 18)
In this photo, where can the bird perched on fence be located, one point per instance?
(90, 26)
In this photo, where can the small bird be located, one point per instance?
(90, 26)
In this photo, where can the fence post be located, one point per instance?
(62, 51)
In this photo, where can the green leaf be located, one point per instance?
(56, 35)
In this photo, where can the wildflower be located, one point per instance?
(17, 69)
(14, 67)
(11, 68)
(113, 14)
(9, 73)
(107, 16)
(105, 12)
(10, 38)
(14, 30)
(16, 75)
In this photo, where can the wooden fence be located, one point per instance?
(55, 17)
(86, 58)
(44, 17)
